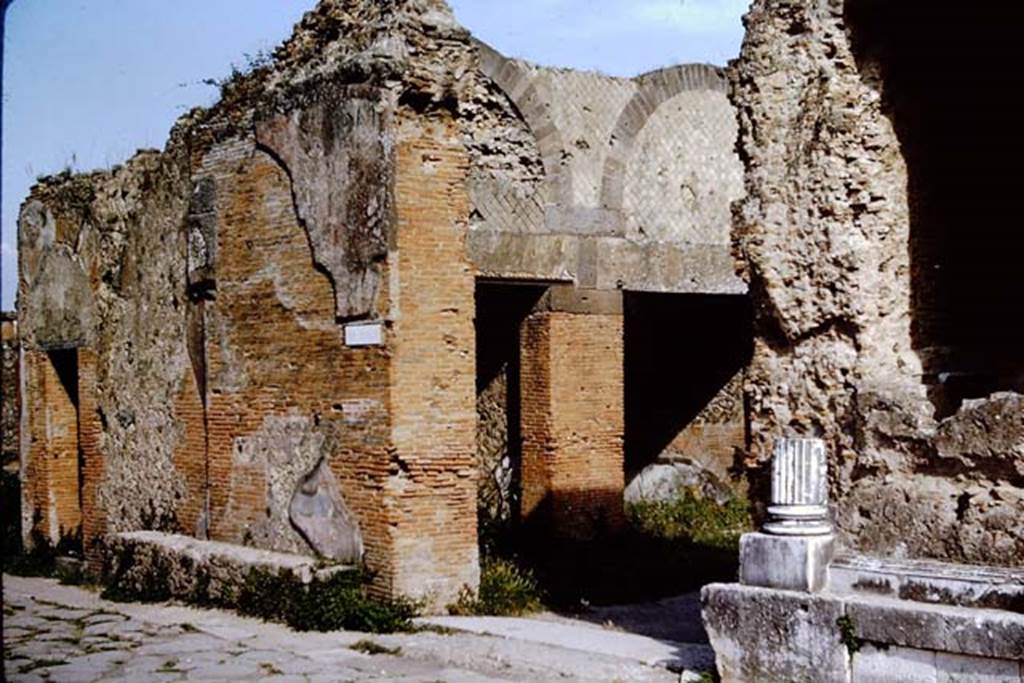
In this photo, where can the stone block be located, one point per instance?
(789, 562)
(319, 512)
(988, 633)
(967, 669)
(761, 634)
(891, 664)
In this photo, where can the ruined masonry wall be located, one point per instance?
(9, 370)
(101, 277)
(623, 183)
(822, 238)
(282, 390)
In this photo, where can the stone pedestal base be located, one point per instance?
(798, 563)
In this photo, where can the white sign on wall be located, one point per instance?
(364, 334)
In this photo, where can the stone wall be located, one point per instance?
(101, 297)
(832, 239)
(9, 411)
(271, 320)
(621, 183)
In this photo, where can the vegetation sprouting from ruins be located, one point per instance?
(847, 634)
(694, 519)
(506, 589)
(669, 547)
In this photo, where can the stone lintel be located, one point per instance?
(798, 563)
(571, 299)
(585, 221)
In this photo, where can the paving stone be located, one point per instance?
(14, 633)
(195, 642)
(231, 670)
(60, 614)
(149, 646)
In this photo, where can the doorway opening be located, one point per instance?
(501, 308)
(64, 456)
(944, 71)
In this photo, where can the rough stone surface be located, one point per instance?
(9, 391)
(929, 581)
(763, 634)
(873, 305)
(769, 634)
(194, 570)
(665, 481)
(319, 512)
(956, 630)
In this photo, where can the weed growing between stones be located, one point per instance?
(506, 589)
(373, 648)
(269, 669)
(848, 634)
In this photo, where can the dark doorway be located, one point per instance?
(501, 308)
(684, 355)
(947, 71)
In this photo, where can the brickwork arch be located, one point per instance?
(655, 88)
(531, 100)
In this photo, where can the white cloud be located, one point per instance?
(704, 18)
(691, 16)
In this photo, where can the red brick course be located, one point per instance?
(572, 423)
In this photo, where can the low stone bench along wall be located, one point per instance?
(158, 566)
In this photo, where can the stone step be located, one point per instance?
(929, 581)
(584, 637)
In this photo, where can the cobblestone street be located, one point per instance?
(63, 633)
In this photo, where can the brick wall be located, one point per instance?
(572, 422)
(433, 483)
(51, 502)
(283, 390)
(9, 394)
(94, 518)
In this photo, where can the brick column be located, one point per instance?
(94, 519)
(431, 489)
(573, 414)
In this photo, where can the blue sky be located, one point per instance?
(87, 82)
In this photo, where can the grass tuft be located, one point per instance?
(506, 589)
